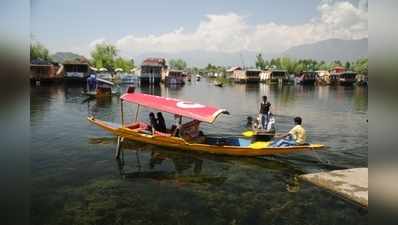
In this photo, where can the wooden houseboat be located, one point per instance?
(323, 77)
(274, 76)
(247, 76)
(45, 71)
(78, 71)
(342, 76)
(175, 77)
(306, 78)
(153, 70)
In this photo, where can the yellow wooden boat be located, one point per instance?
(235, 146)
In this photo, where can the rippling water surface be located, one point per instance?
(75, 179)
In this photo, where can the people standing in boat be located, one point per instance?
(296, 135)
(264, 110)
(161, 123)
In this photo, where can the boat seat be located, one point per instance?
(190, 130)
(158, 133)
(138, 126)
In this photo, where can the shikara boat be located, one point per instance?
(190, 138)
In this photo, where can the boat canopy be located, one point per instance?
(105, 81)
(175, 106)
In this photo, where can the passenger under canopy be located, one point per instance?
(175, 106)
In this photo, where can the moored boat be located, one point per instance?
(190, 137)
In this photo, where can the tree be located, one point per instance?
(288, 64)
(361, 66)
(260, 62)
(125, 64)
(39, 52)
(177, 64)
(104, 56)
(347, 65)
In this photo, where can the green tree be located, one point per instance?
(288, 64)
(125, 64)
(260, 62)
(177, 64)
(361, 66)
(39, 52)
(104, 56)
(347, 65)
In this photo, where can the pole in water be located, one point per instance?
(118, 147)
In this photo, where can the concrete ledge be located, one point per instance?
(351, 184)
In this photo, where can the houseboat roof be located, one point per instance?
(175, 106)
(234, 68)
(154, 62)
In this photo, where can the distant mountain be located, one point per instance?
(327, 50)
(330, 50)
(61, 57)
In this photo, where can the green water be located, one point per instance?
(75, 179)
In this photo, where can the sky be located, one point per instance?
(175, 26)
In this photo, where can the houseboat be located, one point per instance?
(362, 79)
(45, 71)
(153, 70)
(342, 76)
(274, 76)
(323, 77)
(97, 87)
(78, 71)
(306, 78)
(175, 77)
(246, 76)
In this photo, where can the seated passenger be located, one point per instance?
(175, 129)
(270, 123)
(296, 136)
(249, 123)
(161, 123)
(153, 122)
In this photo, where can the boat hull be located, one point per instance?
(180, 144)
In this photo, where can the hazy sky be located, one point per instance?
(174, 26)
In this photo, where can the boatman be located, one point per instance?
(264, 110)
(296, 135)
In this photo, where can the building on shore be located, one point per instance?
(274, 76)
(175, 77)
(45, 71)
(153, 70)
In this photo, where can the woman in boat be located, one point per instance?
(296, 136)
(153, 122)
(161, 123)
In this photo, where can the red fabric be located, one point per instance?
(175, 106)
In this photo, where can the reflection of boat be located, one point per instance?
(218, 84)
(190, 138)
(128, 78)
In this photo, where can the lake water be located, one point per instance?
(76, 180)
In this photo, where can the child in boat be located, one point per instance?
(249, 122)
(161, 123)
(296, 136)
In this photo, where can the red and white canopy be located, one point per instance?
(175, 106)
